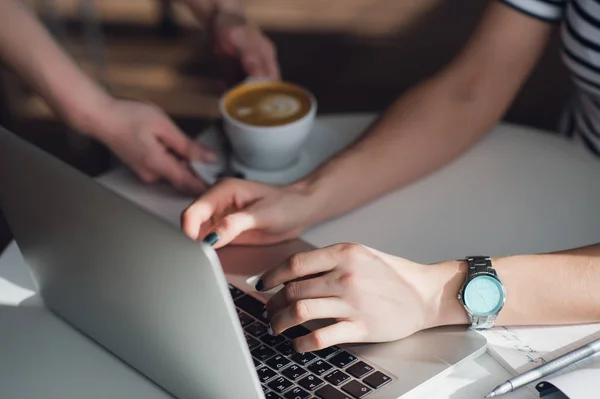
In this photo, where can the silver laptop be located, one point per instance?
(182, 315)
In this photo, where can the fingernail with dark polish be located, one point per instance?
(259, 285)
(211, 239)
(265, 313)
(270, 330)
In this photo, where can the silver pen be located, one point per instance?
(546, 369)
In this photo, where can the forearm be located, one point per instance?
(438, 120)
(424, 130)
(546, 289)
(27, 48)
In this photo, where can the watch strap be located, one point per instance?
(482, 323)
(479, 264)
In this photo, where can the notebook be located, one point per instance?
(519, 349)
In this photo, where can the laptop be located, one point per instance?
(179, 313)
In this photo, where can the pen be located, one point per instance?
(546, 369)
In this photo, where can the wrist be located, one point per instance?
(223, 19)
(443, 281)
(312, 198)
(89, 116)
(209, 13)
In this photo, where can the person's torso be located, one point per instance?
(580, 51)
(579, 22)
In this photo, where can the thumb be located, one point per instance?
(188, 149)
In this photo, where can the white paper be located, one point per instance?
(519, 349)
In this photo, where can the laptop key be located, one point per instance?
(360, 369)
(251, 342)
(278, 362)
(272, 340)
(252, 306)
(337, 377)
(356, 389)
(287, 348)
(235, 292)
(265, 388)
(377, 380)
(320, 367)
(311, 382)
(263, 352)
(342, 359)
(257, 329)
(296, 393)
(265, 374)
(294, 372)
(272, 395)
(329, 392)
(256, 362)
(296, 332)
(280, 384)
(325, 353)
(303, 358)
(245, 319)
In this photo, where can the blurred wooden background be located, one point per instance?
(356, 55)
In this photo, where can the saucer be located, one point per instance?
(303, 166)
(327, 138)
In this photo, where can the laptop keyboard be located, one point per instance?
(330, 373)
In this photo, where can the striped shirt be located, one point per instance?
(580, 35)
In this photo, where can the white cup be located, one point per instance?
(268, 147)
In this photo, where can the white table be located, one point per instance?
(518, 191)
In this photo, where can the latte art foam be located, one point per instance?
(268, 104)
(279, 106)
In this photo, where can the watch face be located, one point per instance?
(484, 296)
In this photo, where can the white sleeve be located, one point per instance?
(547, 10)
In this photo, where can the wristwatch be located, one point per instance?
(482, 294)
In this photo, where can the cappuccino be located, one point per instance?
(267, 103)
